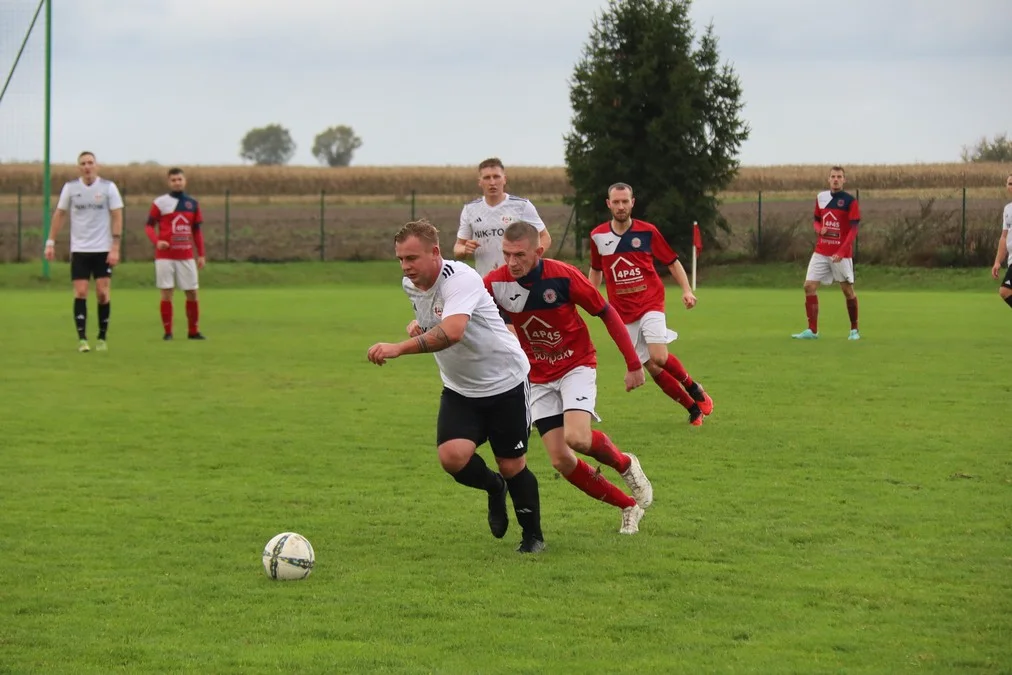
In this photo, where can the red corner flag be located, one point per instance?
(697, 238)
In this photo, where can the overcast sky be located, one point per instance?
(453, 81)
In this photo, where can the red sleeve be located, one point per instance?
(583, 293)
(198, 217)
(149, 229)
(662, 251)
(198, 240)
(854, 214)
(595, 255)
(617, 331)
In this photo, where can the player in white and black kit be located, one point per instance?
(484, 371)
(1004, 255)
(484, 220)
(96, 228)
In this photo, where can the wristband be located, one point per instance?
(50, 242)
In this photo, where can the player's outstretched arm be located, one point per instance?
(444, 335)
(682, 279)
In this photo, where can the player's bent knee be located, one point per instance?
(454, 455)
(510, 466)
(564, 463)
(579, 440)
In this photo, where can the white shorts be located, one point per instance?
(822, 268)
(181, 274)
(650, 329)
(576, 390)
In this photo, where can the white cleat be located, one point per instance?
(638, 483)
(631, 518)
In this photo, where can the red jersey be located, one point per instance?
(542, 306)
(627, 260)
(838, 212)
(175, 217)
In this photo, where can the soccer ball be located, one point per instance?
(288, 556)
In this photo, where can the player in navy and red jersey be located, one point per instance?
(837, 216)
(541, 297)
(174, 228)
(623, 252)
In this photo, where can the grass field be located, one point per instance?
(847, 508)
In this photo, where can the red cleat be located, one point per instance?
(705, 404)
(696, 420)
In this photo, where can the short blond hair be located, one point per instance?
(423, 229)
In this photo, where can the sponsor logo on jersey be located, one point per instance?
(486, 234)
(541, 333)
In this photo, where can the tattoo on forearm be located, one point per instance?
(434, 340)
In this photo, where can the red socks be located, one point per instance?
(598, 487)
(852, 312)
(192, 314)
(812, 310)
(669, 385)
(166, 308)
(604, 451)
(677, 370)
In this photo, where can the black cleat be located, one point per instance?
(531, 544)
(167, 337)
(498, 520)
(195, 336)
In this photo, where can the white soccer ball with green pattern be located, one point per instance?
(288, 556)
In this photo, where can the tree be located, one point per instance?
(997, 150)
(270, 145)
(336, 145)
(654, 108)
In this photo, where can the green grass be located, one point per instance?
(848, 507)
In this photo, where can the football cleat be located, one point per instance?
(101, 346)
(631, 518)
(167, 337)
(806, 334)
(701, 398)
(854, 335)
(638, 483)
(498, 519)
(195, 336)
(82, 346)
(532, 544)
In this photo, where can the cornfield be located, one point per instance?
(452, 181)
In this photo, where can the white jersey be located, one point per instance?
(486, 224)
(488, 360)
(1006, 226)
(89, 207)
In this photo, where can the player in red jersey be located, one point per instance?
(541, 297)
(174, 228)
(837, 216)
(626, 249)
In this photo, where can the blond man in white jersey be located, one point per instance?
(483, 221)
(96, 229)
(1004, 255)
(486, 395)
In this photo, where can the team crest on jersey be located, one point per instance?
(506, 220)
(437, 309)
(98, 199)
(550, 295)
(839, 202)
(636, 243)
(188, 205)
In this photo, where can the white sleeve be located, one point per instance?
(115, 199)
(464, 231)
(532, 217)
(462, 292)
(64, 202)
(1007, 218)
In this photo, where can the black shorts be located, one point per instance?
(1007, 281)
(87, 265)
(504, 420)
